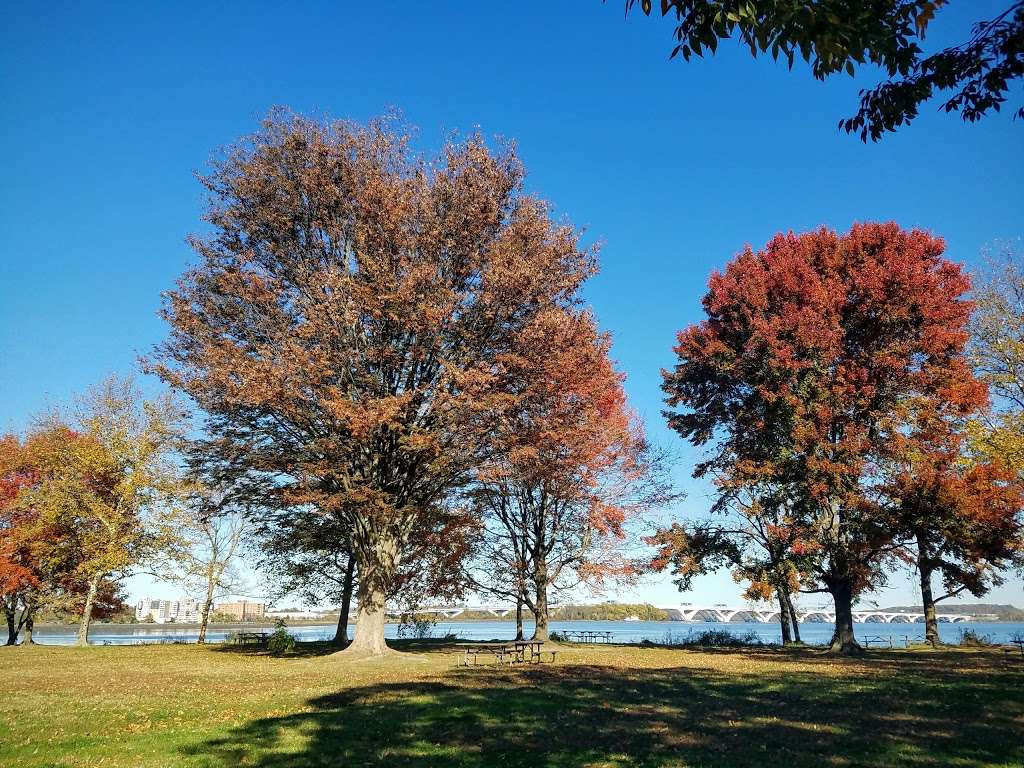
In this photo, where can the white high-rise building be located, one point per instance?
(181, 611)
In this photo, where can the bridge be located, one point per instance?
(454, 611)
(725, 613)
(720, 613)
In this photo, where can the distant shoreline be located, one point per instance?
(331, 621)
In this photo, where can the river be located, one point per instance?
(815, 633)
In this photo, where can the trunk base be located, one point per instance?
(369, 636)
(848, 648)
(354, 653)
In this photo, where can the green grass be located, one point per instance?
(598, 706)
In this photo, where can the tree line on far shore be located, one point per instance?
(395, 394)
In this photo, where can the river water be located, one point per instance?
(815, 633)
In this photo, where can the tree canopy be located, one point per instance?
(346, 328)
(836, 36)
(809, 375)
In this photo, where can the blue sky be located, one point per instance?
(108, 111)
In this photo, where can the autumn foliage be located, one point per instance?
(569, 470)
(346, 326)
(825, 362)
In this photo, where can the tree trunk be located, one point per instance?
(925, 570)
(30, 623)
(843, 640)
(540, 602)
(204, 616)
(376, 553)
(792, 616)
(784, 619)
(369, 634)
(83, 628)
(341, 634)
(519, 616)
(375, 576)
(11, 614)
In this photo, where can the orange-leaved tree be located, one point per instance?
(962, 512)
(570, 470)
(752, 531)
(343, 328)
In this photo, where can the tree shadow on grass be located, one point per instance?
(313, 648)
(585, 716)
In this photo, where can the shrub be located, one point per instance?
(972, 639)
(281, 641)
(417, 626)
(710, 638)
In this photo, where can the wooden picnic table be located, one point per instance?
(877, 639)
(260, 638)
(589, 636)
(512, 652)
(1019, 643)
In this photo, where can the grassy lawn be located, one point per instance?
(598, 706)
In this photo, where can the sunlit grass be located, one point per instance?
(598, 706)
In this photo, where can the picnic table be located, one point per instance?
(589, 636)
(243, 638)
(506, 654)
(1019, 642)
(878, 639)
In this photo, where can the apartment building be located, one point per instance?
(242, 610)
(181, 611)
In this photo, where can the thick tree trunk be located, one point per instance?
(369, 634)
(376, 554)
(540, 601)
(204, 615)
(11, 614)
(341, 634)
(83, 628)
(376, 574)
(792, 616)
(843, 640)
(784, 619)
(925, 570)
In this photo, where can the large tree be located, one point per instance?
(815, 355)
(840, 36)
(344, 326)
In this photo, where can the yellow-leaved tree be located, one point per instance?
(109, 488)
(997, 349)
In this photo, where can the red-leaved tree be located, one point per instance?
(815, 353)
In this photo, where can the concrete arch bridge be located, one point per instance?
(724, 613)
(454, 611)
(715, 613)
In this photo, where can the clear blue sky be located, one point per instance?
(109, 108)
